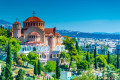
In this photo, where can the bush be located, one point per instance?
(51, 66)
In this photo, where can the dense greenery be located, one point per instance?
(20, 75)
(57, 69)
(39, 67)
(50, 66)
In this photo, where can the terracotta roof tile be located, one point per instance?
(33, 19)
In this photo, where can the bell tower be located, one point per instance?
(17, 30)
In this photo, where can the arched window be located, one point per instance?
(31, 24)
(34, 48)
(50, 55)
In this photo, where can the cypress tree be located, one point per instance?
(9, 54)
(20, 75)
(117, 61)
(95, 52)
(77, 47)
(39, 67)
(8, 71)
(34, 77)
(108, 61)
(2, 76)
(88, 59)
(35, 69)
(95, 63)
(57, 69)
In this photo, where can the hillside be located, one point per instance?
(88, 35)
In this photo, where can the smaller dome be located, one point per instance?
(16, 22)
(33, 19)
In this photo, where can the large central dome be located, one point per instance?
(33, 19)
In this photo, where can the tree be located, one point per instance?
(101, 61)
(88, 59)
(50, 66)
(35, 69)
(95, 53)
(20, 75)
(77, 47)
(2, 76)
(83, 65)
(108, 61)
(33, 58)
(8, 71)
(39, 67)
(33, 77)
(57, 69)
(117, 60)
(24, 58)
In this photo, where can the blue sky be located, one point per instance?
(77, 15)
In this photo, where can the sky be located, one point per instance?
(76, 15)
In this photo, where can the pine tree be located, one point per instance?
(88, 59)
(108, 57)
(20, 75)
(39, 67)
(77, 47)
(35, 69)
(117, 61)
(8, 71)
(57, 69)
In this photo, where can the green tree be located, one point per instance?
(77, 47)
(117, 60)
(20, 75)
(2, 76)
(101, 61)
(88, 59)
(83, 65)
(108, 61)
(33, 58)
(39, 67)
(57, 69)
(35, 69)
(8, 71)
(33, 77)
(25, 58)
(50, 66)
(95, 53)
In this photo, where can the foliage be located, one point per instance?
(20, 75)
(9, 55)
(8, 73)
(57, 69)
(29, 78)
(86, 76)
(77, 47)
(39, 67)
(112, 66)
(108, 61)
(35, 69)
(83, 65)
(88, 59)
(33, 77)
(101, 61)
(24, 57)
(19, 60)
(117, 61)
(50, 66)
(2, 76)
(33, 58)
(95, 53)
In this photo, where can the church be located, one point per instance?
(46, 42)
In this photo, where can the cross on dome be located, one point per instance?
(33, 13)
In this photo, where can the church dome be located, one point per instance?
(33, 19)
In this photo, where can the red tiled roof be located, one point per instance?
(22, 35)
(57, 34)
(31, 42)
(59, 44)
(33, 19)
(16, 22)
(48, 30)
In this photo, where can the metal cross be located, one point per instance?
(33, 13)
